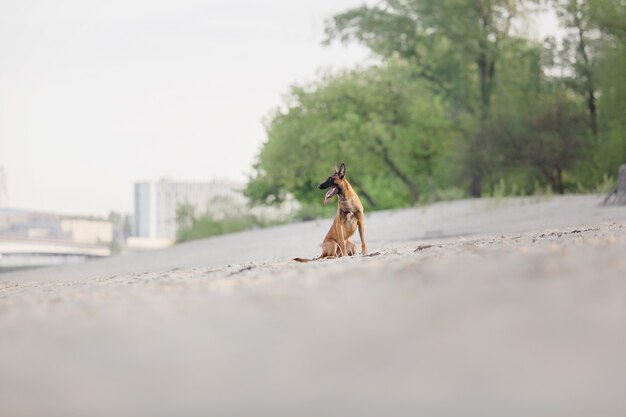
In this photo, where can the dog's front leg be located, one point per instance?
(361, 225)
(342, 240)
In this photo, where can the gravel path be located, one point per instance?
(475, 308)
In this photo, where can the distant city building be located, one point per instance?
(27, 224)
(29, 239)
(31, 224)
(156, 203)
(88, 231)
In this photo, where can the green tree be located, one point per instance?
(185, 216)
(452, 44)
(580, 49)
(609, 16)
(550, 139)
(386, 126)
(456, 46)
(459, 98)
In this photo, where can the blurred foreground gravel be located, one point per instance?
(476, 308)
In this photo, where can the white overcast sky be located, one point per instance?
(95, 95)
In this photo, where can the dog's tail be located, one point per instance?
(304, 259)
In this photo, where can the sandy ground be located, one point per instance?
(510, 307)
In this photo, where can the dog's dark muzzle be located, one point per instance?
(329, 183)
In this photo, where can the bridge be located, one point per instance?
(22, 252)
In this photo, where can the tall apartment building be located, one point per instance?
(156, 203)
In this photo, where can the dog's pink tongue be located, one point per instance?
(329, 194)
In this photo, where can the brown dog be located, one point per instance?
(350, 216)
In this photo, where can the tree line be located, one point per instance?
(460, 101)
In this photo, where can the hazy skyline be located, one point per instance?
(96, 96)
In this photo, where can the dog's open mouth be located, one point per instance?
(331, 192)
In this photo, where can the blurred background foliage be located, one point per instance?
(459, 104)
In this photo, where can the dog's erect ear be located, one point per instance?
(342, 170)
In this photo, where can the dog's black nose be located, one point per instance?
(320, 186)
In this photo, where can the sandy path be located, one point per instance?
(528, 321)
(390, 228)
